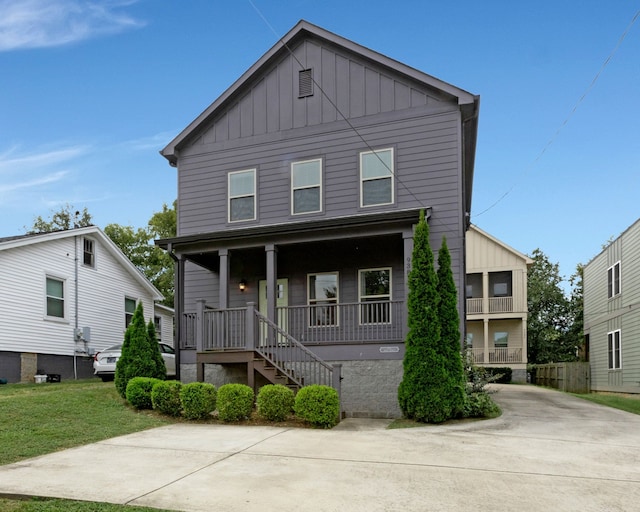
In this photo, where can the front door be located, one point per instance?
(282, 301)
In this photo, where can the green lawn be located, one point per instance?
(36, 419)
(625, 403)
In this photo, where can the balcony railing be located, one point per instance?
(497, 355)
(495, 305)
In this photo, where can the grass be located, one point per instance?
(622, 402)
(57, 505)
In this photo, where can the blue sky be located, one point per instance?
(92, 90)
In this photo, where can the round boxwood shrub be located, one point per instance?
(235, 402)
(275, 402)
(318, 405)
(165, 397)
(139, 392)
(198, 400)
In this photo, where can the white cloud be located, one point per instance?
(45, 23)
(35, 182)
(150, 143)
(21, 163)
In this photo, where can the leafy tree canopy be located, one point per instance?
(67, 217)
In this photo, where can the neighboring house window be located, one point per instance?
(501, 339)
(88, 252)
(473, 287)
(157, 325)
(55, 297)
(323, 299)
(375, 287)
(500, 284)
(615, 359)
(129, 310)
(613, 280)
(242, 195)
(306, 186)
(376, 177)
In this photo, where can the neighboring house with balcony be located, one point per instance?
(298, 192)
(65, 295)
(611, 284)
(496, 294)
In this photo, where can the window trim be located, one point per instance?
(63, 298)
(254, 171)
(319, 186)
(92, 253)
(334, 302)
(361, 296)
(614, 286)
(390, 178)
(135, 302)
(614, 338)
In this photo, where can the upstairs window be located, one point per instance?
(613, 280)
(473, 288)
(88, 252)
(376, 177)
(500, 284)
(55, 297)
(129, 310)
(615, 359)
(242, 195)
(306, 186)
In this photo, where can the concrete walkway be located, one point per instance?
(548, 451)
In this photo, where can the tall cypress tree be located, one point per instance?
(421, 392)
(450, 331)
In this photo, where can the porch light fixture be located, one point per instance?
(243, 285)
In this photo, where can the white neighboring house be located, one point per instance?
(65, 295)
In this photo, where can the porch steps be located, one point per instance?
(274, 375)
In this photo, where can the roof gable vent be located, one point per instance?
(305, 83)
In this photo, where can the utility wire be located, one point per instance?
(564, 123)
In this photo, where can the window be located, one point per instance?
(242, 195)
(306, 186)
(157, 325)
(305, 83)
(376, 177)
(55, 297)
(615, 360)
(323, 299)
(613, 280)
(500, 339)
(88, 252)
(129, 310)
(375, 288)
(473, 287)
(500, 284)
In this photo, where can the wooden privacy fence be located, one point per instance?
(569, 377)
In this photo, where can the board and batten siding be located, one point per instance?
(603, 315)
(101, 293)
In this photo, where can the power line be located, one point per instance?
(564, 123)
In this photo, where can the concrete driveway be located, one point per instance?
(548, 451)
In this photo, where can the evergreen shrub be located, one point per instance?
(318, 405)
(165, 397)
(139, 392)
(275, 402)
(198, 400)
(235, 402)
(501, 375)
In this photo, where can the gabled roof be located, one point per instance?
(506, 247)
(12, 242)
(468, 102)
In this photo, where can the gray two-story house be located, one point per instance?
(298, 191)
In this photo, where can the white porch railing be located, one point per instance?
(497, 355)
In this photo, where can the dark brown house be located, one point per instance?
(298, 190)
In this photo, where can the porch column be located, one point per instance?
(524, 343)
(486, 340)
(223, 299)
(485, 292)
(272, 280)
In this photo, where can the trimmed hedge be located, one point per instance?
(198, 400)
(138, 392)
(275, 402)
(318, 405)
(235, 402)
(165, 397)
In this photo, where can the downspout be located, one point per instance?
(76, 326)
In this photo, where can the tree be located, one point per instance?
(140, 355)
(422, 388)
(67, 217)
(138, 246)
(450, 331)
(549, 314)
(575, 333)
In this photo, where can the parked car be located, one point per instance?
(104, 362)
